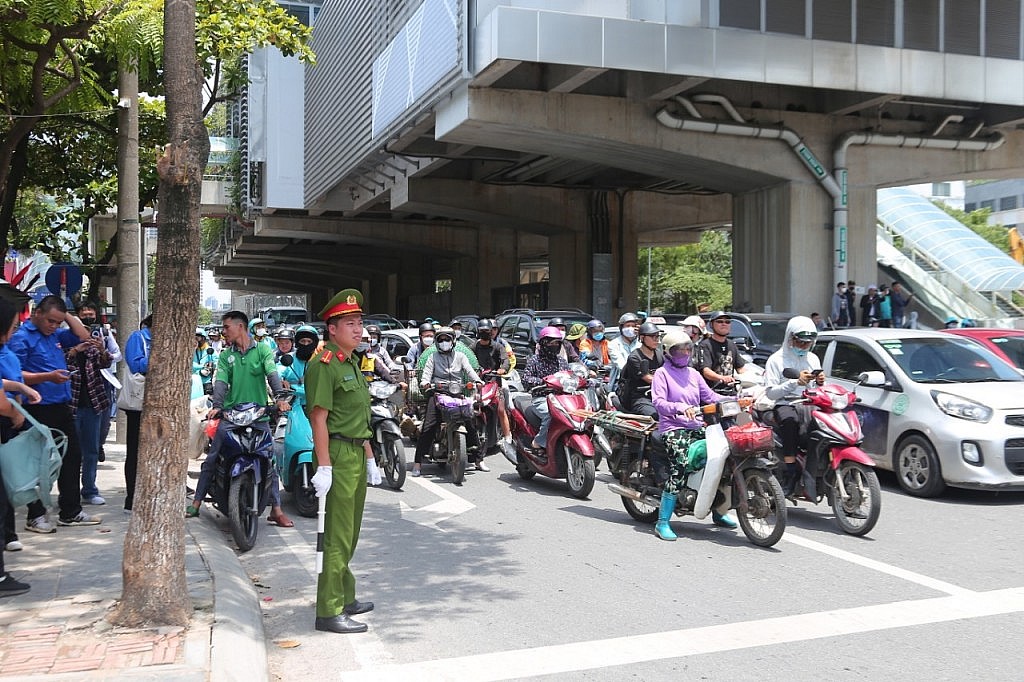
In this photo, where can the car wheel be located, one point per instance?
(917, 467)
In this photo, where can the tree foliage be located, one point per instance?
(997, 235)
(683, 277)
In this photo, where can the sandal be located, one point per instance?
(282, 521)
(191, 512)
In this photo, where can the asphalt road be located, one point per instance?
(507, 579)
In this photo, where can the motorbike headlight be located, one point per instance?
(382, 390)
(728, 408)
(579, 369)
(246, 415)
(568, 382)
(962, 408)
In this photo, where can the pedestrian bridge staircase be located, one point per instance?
(951, 270)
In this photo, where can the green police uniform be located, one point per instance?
(336, 384)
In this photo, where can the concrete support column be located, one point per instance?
(624, 281)
(862, 250)
(466, 273)
(570, 270)
(782, 249)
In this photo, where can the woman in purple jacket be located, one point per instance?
(677, 392)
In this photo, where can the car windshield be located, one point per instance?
(1013, 346)
(931, 360)
(770, 332)
(569, 320)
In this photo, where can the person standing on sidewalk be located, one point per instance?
(90, 399)
(136, 355)
(39, 345)
(338, 404)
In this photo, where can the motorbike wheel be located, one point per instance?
(644, 513)
(304, 496)
(581, 480)
(244, 519)
(764, 521)
(458, 458)
(858, 513)
(393, 457)
(523, 469)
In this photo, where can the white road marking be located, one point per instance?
(594, 654)
(431, 515)
(923, 580)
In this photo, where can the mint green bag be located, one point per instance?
(30, 462)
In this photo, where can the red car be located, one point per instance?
(1006, 343)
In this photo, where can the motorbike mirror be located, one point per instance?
(791, 373)
(286, 360)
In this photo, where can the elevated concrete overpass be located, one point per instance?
(535, 136)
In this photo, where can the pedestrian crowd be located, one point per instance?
(880, 306)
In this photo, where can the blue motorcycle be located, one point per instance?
(293, 446)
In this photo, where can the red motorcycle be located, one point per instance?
(485, 416)
(570, 451)
(830, 462)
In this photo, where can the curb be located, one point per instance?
(238, 648)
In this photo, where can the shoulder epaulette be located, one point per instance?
(326, 356)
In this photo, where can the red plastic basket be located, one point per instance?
(749, 438)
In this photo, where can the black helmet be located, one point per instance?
(649, 329)
(718, 314)
(373, 329)
(556, 322)
(483, 329)
(426, 327)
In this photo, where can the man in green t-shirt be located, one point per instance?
(243, 371)
(338, 404)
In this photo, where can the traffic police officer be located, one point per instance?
(338, 404)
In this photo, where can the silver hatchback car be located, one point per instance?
(937, 409)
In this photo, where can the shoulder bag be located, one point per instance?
(30, 462)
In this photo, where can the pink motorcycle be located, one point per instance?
(570, 451)
(831, 463)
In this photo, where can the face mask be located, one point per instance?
(445, 346)
(679, 361)
(842, 290)
(88, 320)
(629, 333)
(362, 347)
(305, 352)
(261, 332)
(800, 352)
(599, 336)
(374, 342)
(427, 341)
(549, 348)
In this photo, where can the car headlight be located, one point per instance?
(961, 408)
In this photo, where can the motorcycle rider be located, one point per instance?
(677, 392)
(204, 363)
(545, 362)
(378, 351)
(790, 420)
(697, 330)
(620, 348)
(426, 332)
(445, 364)
(456, 327)
(635, 383)
(594, 348)
(569, 352)
(284, 339)
(370, 365)
(214, 339)
(574, 337)
(719, 358)
(493, 358)
(503, 344)
(306, 340)
(243, 371)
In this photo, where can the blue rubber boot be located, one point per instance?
(661, 528)
(723, 520)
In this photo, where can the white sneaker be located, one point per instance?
(14, 546)
(482, 466)
(82, 519)
(40, 524)
(95, 499)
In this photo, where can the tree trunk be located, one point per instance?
(155, 591)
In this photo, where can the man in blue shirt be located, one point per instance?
(40, 344)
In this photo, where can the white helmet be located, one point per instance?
(695, 321)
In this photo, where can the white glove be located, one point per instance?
(372, 472)
(322, 481)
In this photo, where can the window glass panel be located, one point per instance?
(1002, 29)
(921, 24)
(876, 23)
(963, 27)
(1007, 203)
(786, 16)
(740, 14)
(832, 20)
(850, 360)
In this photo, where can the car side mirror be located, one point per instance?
(873, 378)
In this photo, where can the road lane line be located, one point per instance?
(595, 654)
(432, 514)
(895, 571)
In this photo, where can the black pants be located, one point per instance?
(643, 406)
(428, 433)
(131, 456)
(791, 423)
(69, 501)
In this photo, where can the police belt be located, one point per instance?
(346, 439)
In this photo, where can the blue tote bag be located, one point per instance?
(30, 462)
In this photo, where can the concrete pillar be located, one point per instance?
(466, 272)
(862, 249)
(782, 246)
(570, 270)
(624, 281)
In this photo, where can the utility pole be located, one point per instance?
(129, 237)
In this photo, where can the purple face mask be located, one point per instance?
(679, 360)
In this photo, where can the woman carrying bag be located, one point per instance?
(136, 356)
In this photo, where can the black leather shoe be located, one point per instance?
(357, 607)
(341, 624)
